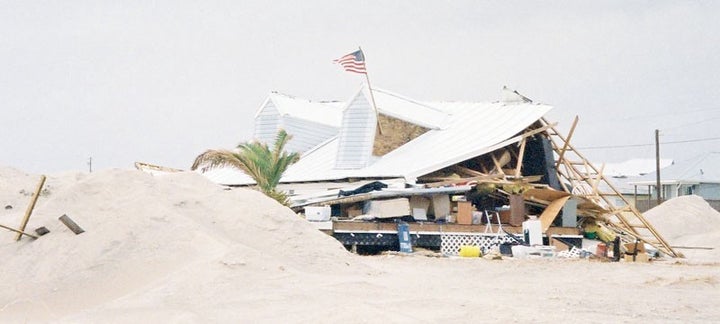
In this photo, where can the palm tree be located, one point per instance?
(265, 166)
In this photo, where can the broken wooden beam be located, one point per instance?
(30, 208)
(21, 233)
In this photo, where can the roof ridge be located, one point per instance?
(399, 96)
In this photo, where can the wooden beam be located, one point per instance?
(498, 168)
(30, 208)
(521, 154)
(21, 233)
(468, 171)
(455, 181)
(567, 142)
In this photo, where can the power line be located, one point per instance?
(648, 116)
(650, 144)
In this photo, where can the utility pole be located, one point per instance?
(658, 187)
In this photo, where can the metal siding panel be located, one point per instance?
(267, 122)
(356, 134)
(306, 134)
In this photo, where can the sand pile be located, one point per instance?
(689, 221)
(146, 234)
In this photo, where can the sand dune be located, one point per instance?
(178, 248)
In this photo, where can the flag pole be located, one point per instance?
(372, 96)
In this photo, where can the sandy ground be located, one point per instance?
(180, 249)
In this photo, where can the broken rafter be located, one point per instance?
(561, 154)
(521, 154)
(501, 161)
(575, 177)
(469, 171)
(482, 178)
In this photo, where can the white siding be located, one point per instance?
(267, 122)
(306, 134)
(357, 134)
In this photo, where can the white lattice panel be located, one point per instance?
(450, 243)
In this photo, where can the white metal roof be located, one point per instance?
(459, 131)
(699, 169)
(472, 130)
(418, 113)
(324, 112)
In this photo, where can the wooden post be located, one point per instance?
(372, 96)
(521, 155)
(567, 142)
(28, 212)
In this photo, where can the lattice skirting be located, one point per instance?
(450, 243)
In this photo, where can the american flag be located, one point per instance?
(353, 62)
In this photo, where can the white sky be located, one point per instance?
(162, 81)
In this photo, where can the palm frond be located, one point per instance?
(212, 159)
(256, 159)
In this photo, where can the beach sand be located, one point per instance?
(178, 248)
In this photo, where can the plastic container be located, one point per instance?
(601, 250)
(469, 251)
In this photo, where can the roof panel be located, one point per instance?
(467, 130)
(328, 113)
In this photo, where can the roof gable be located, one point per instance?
(357, 134)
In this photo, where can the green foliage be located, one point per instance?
(257, 160)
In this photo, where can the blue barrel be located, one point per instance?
(404, 237)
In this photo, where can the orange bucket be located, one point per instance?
(601, 250)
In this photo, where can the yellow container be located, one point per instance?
(469, 251)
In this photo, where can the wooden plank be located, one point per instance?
(30, 208)
(561, 154)
(481, 178)
(437, 228)
(21, 233)
(521, 154)
(551, 212)
(498, 167)
(544, 194)
(71, 224)
(469, 171)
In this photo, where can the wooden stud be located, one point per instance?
(30, 208)
(21, 233)
(567, 141)
(521, 154)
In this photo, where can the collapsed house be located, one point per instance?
(458, 172)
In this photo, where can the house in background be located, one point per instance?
(622, 174)
(696, 176)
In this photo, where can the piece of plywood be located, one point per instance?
(544, 195)
(464, 216)
(388, 208)
(551, 212)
